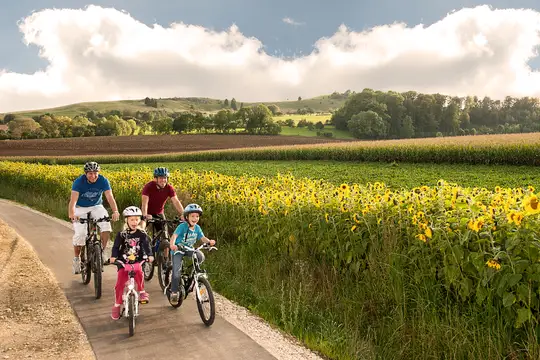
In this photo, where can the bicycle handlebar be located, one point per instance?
(95, 221)
(187, 248)
(160, 220)
(123, 264)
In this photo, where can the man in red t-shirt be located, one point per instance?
(154, 196)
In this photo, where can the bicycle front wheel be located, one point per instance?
(97, 265)
(86, 267)
(131, 314)
(164, 273)
(206, 305)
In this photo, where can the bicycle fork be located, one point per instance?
(197, 288)
(131, 290)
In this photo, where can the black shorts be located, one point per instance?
(158, 226)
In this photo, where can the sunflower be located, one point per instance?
(531, 205)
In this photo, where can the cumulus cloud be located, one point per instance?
(288, 20)
(104, 54)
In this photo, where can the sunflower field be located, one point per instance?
(476, 246)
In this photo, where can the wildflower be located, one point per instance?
(494, 264)
(421, 237)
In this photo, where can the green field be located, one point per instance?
(395, 176)
(370, 291)
(303, 131)
(313, 118)
(318, 104)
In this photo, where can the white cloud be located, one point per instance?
(100, 54)
(288, 20)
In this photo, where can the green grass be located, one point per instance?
(319, 104)
(395, 176)
(303, 131)
(313, 118)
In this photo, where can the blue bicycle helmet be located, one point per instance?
(192, 208)
(161, 171)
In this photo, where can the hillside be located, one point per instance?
(322, 103)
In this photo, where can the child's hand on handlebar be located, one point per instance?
(112, 260)
(173, 247)
(150, 259)
(212, 242)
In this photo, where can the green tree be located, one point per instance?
(81, 126)
(163, 125)
(24, 128)
(274, 109)
(8, 118)
(233, 104)
(182, 123)
(406, 130)
(367, 125)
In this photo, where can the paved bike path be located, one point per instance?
(161, 331)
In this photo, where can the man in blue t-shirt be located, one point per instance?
(86, 197)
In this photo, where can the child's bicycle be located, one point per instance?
(195, 278)
(130, 297)
(91, 254)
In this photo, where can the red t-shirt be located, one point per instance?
(157, 197)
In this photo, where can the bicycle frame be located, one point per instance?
(156, 237)
(196, 272)
(91, 225)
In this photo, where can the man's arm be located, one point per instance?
(177, 205)
(112, 203)
(144, 205)
(72, 202)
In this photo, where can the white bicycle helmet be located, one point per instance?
(91, 166)
(132, 211)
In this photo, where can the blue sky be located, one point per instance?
(262, 20)
(95, 53)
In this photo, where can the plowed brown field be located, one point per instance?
(148, 144)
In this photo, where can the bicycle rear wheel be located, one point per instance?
(207, 306)
(86, 267)
(131, 314)
(97, 265)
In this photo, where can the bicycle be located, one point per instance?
(192, 278)
(130, 297)
(91, 254)
(160, 261)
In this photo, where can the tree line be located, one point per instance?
(368, 114)
(256, 120)
(374, 114)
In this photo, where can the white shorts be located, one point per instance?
(96, 212)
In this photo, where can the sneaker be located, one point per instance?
(115, 313)
(76, 265)
(143, 297)
(174, 298)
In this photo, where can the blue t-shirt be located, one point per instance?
(90, 194)
(192, 235)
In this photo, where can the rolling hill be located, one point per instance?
(321, 104)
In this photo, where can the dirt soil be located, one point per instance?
(147, 144)
(36, 319)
